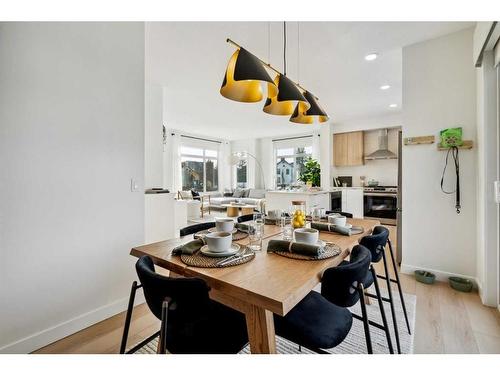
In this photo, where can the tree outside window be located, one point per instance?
(199, 169)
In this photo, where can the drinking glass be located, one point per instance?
(286, 227)
(258, 218)
(255, 236)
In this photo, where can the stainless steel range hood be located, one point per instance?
(383, 151)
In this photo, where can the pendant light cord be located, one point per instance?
(298, 52)
(284, 48)
(269, 42)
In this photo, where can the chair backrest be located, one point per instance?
(346, 214)
(376, 242)
(339, 284)
(196, 228)
(189, 296)
(243, 218)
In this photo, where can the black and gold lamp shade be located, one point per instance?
(244, 74)
(288, 95)
(304, 115)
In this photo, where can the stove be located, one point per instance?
(381, 189)
(380, 202)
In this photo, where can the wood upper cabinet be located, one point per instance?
(348, 149)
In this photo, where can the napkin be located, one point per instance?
(331, 228)
(189, 248)
(241, 227)
(295, 247)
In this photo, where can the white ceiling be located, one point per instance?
(189, 60)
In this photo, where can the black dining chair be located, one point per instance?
(322, 321)
(196, 228)
(244, 218)
(376, 243)
(190, 321)
(346, 214)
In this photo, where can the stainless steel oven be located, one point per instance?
(381, 203)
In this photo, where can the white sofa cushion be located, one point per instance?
(257, 193)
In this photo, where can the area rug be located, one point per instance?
(355, 342)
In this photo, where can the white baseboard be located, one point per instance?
(440, 275)
(47, 336)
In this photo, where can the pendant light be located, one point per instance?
(304, 115)
(245, 73)
(243, 77)
(283, 103)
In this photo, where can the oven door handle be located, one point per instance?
(380, 195)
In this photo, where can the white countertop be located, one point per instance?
(298, 192)
(346, 188)
(315, 192)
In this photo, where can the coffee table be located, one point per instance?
(233, 209)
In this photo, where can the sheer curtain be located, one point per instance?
(172, 162)
(224, 166)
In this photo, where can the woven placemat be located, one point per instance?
(331, 250)
(239, 235)
(200, 260)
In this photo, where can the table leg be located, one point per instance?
(260, 327)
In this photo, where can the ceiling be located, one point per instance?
(189, 60)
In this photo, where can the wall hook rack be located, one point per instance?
(466, 145)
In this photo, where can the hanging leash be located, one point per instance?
(454, 152)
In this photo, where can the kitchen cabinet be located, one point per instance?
(348, 149)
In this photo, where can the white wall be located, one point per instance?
(439, 89)
(71, 138)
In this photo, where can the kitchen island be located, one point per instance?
(282, 199)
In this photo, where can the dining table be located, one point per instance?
(268, 284)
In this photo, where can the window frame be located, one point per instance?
(307, 144)
(205, 158)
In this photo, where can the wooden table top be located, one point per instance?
(271, 281)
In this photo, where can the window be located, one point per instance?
(199, 169)
(290, 160)
(241, 174)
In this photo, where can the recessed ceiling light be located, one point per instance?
(393, 105)
(371, 56)
(385, 87)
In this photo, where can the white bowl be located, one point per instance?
(330, 217)
(307, 235)
(337, 220)
(224, 225)
(219, 242)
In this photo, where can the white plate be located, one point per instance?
(347, 226)
(233, 250)
(213, 230)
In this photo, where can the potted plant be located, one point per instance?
(311, 174)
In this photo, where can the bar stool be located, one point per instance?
(322, 321)
(376, 243)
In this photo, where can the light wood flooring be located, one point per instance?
(447, 321)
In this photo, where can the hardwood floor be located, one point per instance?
(447, 321)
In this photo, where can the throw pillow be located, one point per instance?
(238, 193)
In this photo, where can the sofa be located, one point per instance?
(248, 196)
